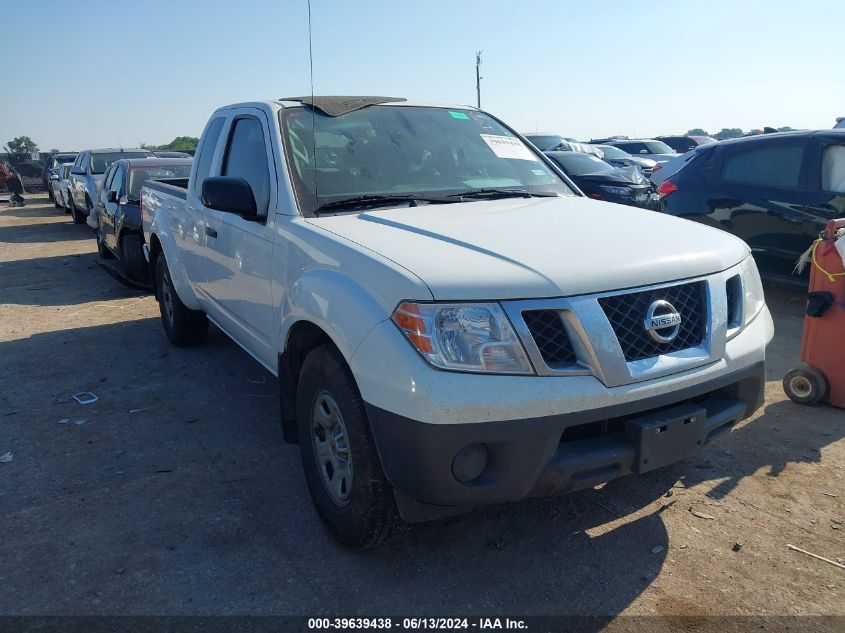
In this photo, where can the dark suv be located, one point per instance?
(775, 191)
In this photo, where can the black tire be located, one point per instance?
(78, 218)
(805, 385)
(182, 325)
(132, 256)
(368, 517)
(89, 209)
(102, 249)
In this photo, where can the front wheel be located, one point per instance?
(102, 249)
(342, 468)
(132, 254)
(182, 325)
(77, 216)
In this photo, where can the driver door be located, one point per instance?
(112, 189)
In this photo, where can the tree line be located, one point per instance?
(733, 132)
(22, 145)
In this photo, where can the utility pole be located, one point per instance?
(478, 76)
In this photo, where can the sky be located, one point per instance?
(98, 73)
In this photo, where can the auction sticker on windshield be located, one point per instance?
(508, 147)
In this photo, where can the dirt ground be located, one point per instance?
(177, 494)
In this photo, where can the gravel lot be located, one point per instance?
(178, 496)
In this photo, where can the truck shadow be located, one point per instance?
(45, 233)
(785, 433)
(198, 479)
(59, 280)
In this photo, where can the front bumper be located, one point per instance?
(552, 454)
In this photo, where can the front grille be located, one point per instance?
(551, 338)
(626, 313)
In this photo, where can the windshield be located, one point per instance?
(543, 142)
(658, 147)
(100, 162)
(580, 164)
(58, 159)
(407, 151)
(613, 152)
(138, 175)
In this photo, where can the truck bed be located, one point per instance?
(171, 186)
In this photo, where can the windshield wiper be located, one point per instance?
(500, 193)
(374, 200)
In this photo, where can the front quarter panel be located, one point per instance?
(340, 286)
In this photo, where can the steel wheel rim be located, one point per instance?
(167, 298)
(330, 442)
(801, 386)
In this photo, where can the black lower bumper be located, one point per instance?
(558, 453)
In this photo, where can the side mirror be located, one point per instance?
(112, 196)
(53, 177)
(77, 171)
(228, 194)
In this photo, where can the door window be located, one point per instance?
(246, 157)
(117, 181)
(769, 166)
(109, 176)
(833, 169)
(207, 152)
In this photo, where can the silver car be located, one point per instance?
(86, 177)
(64, 186)
(58, 179)
(658, 151)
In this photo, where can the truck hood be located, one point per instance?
(537, 247)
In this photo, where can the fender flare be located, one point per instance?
(167, 243)
(327, 299)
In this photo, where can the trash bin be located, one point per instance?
(822, 377)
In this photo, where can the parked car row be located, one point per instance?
(776, 190)
(102, 187)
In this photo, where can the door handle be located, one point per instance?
(210, 232)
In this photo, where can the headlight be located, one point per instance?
(616, 191)
(754, 300)
(474, 337)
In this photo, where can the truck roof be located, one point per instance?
(326, 100)
(115, 150)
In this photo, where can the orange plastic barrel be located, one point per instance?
(823, 341)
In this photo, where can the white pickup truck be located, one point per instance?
(451, 321)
